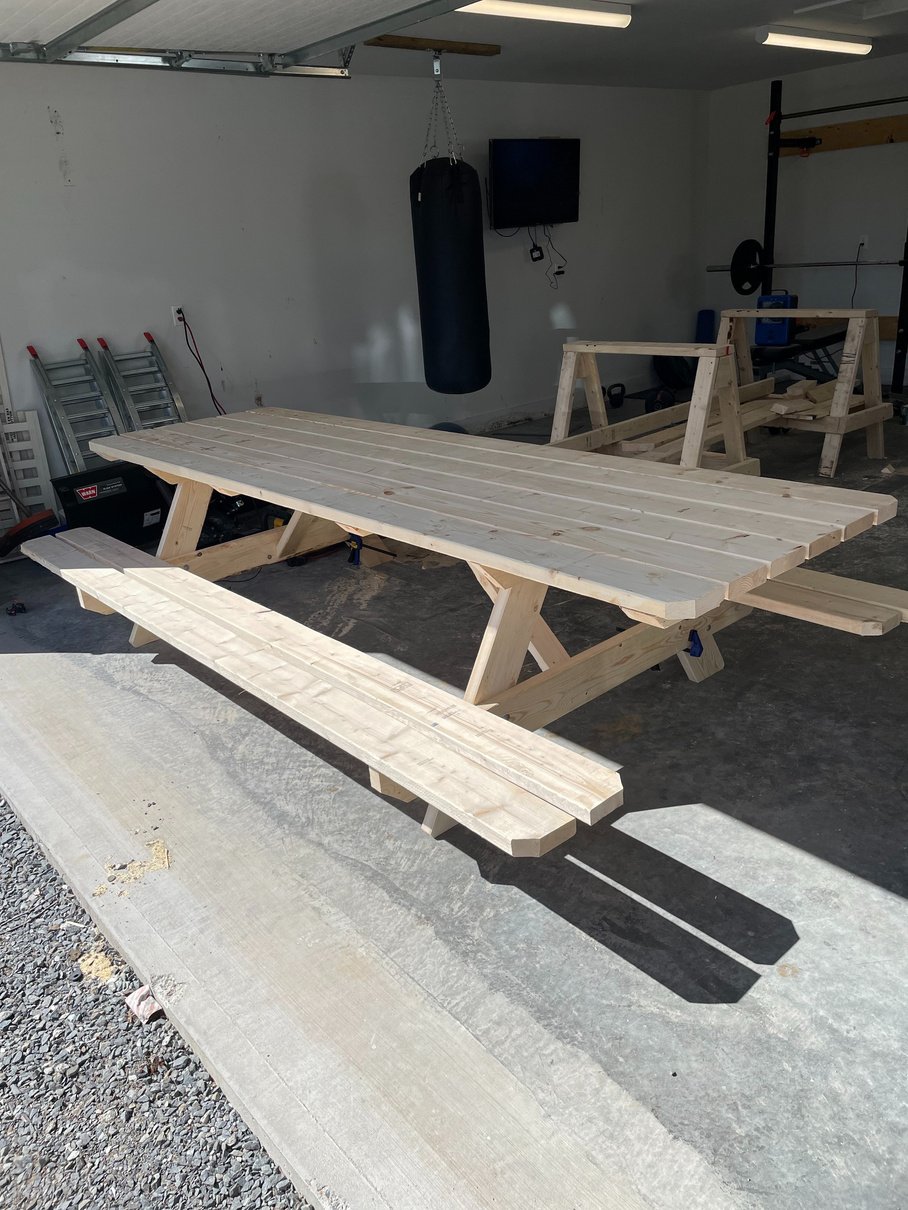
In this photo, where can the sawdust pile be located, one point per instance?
(135, 871)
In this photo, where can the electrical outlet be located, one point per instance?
(176, 314)
(864, 241)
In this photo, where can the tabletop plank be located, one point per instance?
(604, 475)
(620, 582)
(883, 506)
(536, 515)
(585, 495)
(672, 545)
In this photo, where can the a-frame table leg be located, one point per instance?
(513, 625)
(182, 530)
(545, 647)
(504, 645)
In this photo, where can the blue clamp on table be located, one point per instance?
(696, 644)
(355, 542)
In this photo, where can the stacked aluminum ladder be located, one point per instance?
(23, 464)
(102, 396)
(79, 404)
(142, 386)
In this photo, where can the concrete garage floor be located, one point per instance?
(703, 1001)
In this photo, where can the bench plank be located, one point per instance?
(853, 590)
(509, 817)
(570, 781)
(502, 782)
(808, 604)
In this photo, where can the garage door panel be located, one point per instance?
(27, 21)
(238, 25)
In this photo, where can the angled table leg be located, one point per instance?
(545, 647)
(182, 529)
(513, 625)
(504, 645)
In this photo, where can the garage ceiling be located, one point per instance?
(670, 43)
(700, 44)
(263, 25)
(281, 26)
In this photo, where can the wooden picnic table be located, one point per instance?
(664, 544)
(683, 552)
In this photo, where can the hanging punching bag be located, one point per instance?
(446, 205)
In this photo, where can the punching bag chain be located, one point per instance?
(441, 110)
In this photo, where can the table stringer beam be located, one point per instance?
(179, 541)
(547, 696)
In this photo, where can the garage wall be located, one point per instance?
(827, 202)
(276, 212)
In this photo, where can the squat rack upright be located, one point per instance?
(775, 142)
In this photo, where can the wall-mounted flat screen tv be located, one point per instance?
(534, 182)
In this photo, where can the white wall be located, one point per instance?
(276, 212)
(827, 202)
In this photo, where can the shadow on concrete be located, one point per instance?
(597, 882)
(579, 882)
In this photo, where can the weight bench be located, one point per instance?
(518, 790)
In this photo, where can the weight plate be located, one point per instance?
(676, 373)
(747, 266)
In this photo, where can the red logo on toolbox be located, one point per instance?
(87, 493)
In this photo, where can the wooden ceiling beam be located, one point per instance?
(398, 42)
(841, 136)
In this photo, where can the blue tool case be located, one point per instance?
(775, 331)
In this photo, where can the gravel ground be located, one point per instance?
(96, 1109)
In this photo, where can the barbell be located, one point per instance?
(748, 263)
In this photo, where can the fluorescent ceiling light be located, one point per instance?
(884, 8)
(805, 39)
(614, 16)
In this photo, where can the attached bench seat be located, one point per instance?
(520, 791)
(833, 601)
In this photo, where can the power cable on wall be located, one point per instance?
(192, 346)
(857, 262)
